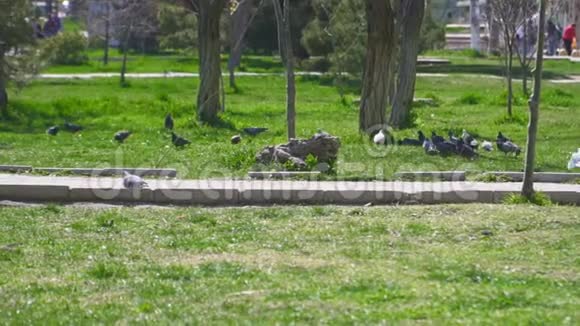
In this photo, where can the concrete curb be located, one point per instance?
(546, 177)
(170, 173)
(266, 192)
(15, 168)
(432, 175)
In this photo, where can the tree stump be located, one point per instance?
(322, 146)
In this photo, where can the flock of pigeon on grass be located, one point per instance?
(176, 140)
(134, 181)
(465, 146)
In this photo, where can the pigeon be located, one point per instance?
(120, 136)
(133, 181)
(501, 137)
(429, 148)
(179, 141)
(72, 127)
(445, 147)
(379, 138)
(469, 140)
(413, 142)
(168, 122)
(574, 160)
(486, 145)
(236, 139)
(53, 130)
(436, 138)
(465, 150)
(508, 147)
(254, 131)
(452, 137)
(505, 145)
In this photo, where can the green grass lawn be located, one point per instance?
(104, 108)
(462, 62)
(470, 62)
(471, 264)
(174, 62)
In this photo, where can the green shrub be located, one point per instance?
(318, 64)
(470, 99)
(66, 48)
(558, 97)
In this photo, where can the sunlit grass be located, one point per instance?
(471, 264)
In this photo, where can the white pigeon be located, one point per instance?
(379, 138)
(486, 145)
(574, 160)
(133, 181)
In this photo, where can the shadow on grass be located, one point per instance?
(261, 63)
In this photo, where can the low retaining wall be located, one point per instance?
(232, 193)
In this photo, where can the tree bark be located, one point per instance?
(576, 17)
(534, 103)
(287, 54)
(3, 98)
(474, 20)
(125, 53)
(208, 97)
(107, 35)
(494, 33)
(324, 147)
(412, 17)
(240, 21)
(510, 95)
(378, 65)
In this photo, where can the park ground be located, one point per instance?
(467, 264)
(453, 264)
(471, 96)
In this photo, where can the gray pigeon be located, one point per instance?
(72, 127)
(254, 131)
(509, 147)
(53, 130)
(179, 141)
(169, 121)
(236, 139)
(429, 148)
(120, 136)
(133, 181)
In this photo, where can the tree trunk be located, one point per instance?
(411, 28)
(208, 97)
(524, 57)
(125, 53)
(239, 23)
(494, 33)
(324, 147)
(510, 94)
(287, 54)
(378, 65)
(107, 35)
(3, 98)
(399, 11)
(474, 20)
(528, 184)
(576, 17)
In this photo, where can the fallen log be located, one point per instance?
(322, 146)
